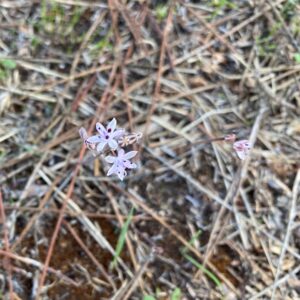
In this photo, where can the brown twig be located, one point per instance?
(73, 214)
(90, 254)
(40, 266)
(155, 98)
(7, 248)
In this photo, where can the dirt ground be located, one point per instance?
(185, 80)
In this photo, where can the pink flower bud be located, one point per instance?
(230, 138)
(242, 148)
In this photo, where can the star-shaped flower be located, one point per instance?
(121, 163)
(107, 136)
(242, 148)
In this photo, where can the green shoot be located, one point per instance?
(212, 276)
(297, 58)
(148, 297)
(6, 65)
(122, 237)
(161, 12)
(176, 295)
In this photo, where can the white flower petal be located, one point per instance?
(101, 146)
(121, 173)
(110, 159)
(113, 144)
(242, 154)
(121, 176)
(100, 128)
(112, 125)
(113, 170)
(242, 148)
(94, 139)
(247, 145)
(130, 154)
(130, 165)
(118, 133)
(121, 153)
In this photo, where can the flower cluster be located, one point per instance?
(112, 139)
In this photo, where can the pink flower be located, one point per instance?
(242, 148)
(107, 136)
(121, 163)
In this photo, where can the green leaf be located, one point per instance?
(122, 237)
(212, 276)
(176, 295)
(8, 64)
(209, 274)
(35, 41)
(161, 12)
(192, 240)
(2, 75)
(148, 297)
(297, 58)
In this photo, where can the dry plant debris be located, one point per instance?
(193, 221)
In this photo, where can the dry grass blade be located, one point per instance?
(155, 98)
(36, 96)
(6, 260)
(134, 282)
(292, 215)
(276, 284)
(92, 257)
(40, 266)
